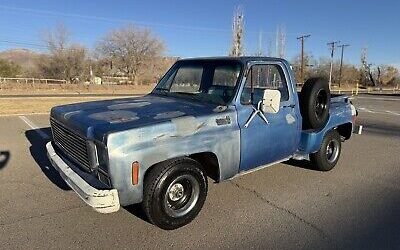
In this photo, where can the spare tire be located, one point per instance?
(315, 100)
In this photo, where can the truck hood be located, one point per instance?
(99, 118)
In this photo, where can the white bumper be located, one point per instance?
(103, 201)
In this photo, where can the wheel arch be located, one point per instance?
(345, 130)
(208, 160)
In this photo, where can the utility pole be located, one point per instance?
(301, 38)
(332, 46)
(341, 61)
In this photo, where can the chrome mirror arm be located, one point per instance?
(256, 111)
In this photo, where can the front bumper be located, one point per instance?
(103, 201)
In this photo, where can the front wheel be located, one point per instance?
(328, 155)
(174, 193)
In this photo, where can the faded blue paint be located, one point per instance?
(178, 137)
(340, 113)
(263, 143)
(154, 128)
(111, 116)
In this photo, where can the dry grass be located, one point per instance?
(14, 106)
(34, 105)
(59, 89)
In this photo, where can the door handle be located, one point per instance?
(289, 106)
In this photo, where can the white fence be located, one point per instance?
(30, 80)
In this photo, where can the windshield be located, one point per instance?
(205, 81)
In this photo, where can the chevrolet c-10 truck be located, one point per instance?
(207, 117)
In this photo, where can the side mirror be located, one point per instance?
(271, 101)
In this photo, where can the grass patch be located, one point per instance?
(60, 89)
(12, 106)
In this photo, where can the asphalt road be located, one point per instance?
(355, 206)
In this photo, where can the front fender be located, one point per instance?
(181, 137)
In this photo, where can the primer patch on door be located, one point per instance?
(290, 119)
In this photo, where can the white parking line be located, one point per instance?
(382, 112)
(376, 98)
(393, 113)
(36, 128)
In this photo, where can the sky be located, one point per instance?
(204, 28)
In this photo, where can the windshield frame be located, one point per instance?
(218, 62)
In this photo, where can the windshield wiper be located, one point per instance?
(162, 91)
(192, 96)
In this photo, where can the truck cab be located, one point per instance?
(216, 117)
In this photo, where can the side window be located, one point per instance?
(265, 76)
(187, 79)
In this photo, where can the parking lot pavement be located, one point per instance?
(357, 205)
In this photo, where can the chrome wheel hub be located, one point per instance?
(332, 151)
(176, 192)
(181, 195)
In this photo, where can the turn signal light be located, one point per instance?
(135, 173)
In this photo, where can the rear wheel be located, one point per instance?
(328, 155)
(174, 193)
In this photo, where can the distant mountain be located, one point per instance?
(24, 57)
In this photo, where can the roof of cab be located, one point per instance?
(243, 59)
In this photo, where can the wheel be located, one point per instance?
(315, 100)
(328, 155)
(174, 193)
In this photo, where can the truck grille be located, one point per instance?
(72, 144)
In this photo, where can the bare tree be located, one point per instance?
(281, 41)
(65, 60)
(297, 65)
(321, 68)
(129, 49)
(57, 39)
(237, 38)
(367, 74)
(388, 75)
(270, 50)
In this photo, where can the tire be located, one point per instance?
(174, 193)
(329, 153)
(315, 100)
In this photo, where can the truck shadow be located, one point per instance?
(136, 210)
(300, 164)
(4, 158)
(38, 153)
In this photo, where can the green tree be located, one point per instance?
(9, 69)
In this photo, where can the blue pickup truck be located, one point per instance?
(207, 117)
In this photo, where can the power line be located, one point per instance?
(341, 61)
(301, 38)
(23, 43)
(107, 19)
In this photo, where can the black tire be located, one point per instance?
(329, 153)
(174, 193)
(315, 100)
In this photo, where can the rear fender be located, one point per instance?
(340, 117)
